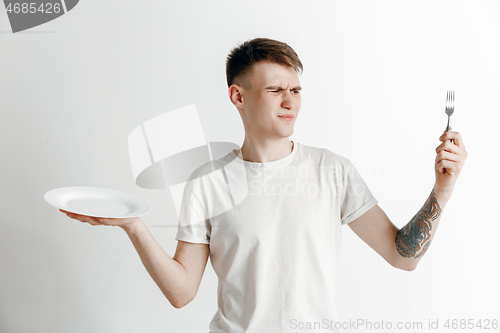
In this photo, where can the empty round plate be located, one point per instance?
(97, 202)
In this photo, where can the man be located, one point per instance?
(274, 250)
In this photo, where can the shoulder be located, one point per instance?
(324, 156)
(210, 167)
(211, 178)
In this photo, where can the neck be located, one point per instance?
(261, 151)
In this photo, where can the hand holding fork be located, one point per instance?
(451, 155)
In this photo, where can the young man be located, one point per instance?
(274, 246)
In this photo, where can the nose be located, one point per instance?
(287, 102)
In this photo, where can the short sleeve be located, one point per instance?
(356, 197)
(194, 225)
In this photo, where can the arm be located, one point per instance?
(178, 277)
(403, 248)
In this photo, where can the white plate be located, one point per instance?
(97, 202)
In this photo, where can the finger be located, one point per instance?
(70, 215)
(444, 155)
(78, 217)
(454, 136)
(441, 167)
(445, 166)
(450, 147)
(84, 218)
(106, 220)
(93, 220)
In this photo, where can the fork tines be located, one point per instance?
(450, 106)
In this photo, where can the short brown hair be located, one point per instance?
(241, 59)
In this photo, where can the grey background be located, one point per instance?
(375, 80)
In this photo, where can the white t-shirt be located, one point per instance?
(274, 231)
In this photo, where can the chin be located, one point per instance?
(286, 134)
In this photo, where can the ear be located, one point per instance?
(236, 95)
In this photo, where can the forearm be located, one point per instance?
(169, 275)
(413, 240)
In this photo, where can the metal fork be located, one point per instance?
(450, 106)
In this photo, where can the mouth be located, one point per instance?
(287, 118)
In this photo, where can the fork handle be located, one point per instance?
(448, 127)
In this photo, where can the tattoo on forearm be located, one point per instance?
(415, 236)
(426, 247)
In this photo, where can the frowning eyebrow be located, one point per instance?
(281, 88)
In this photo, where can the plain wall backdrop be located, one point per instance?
(374, 88)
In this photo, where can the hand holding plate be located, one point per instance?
(92, 220)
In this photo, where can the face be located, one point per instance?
(273, 92)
